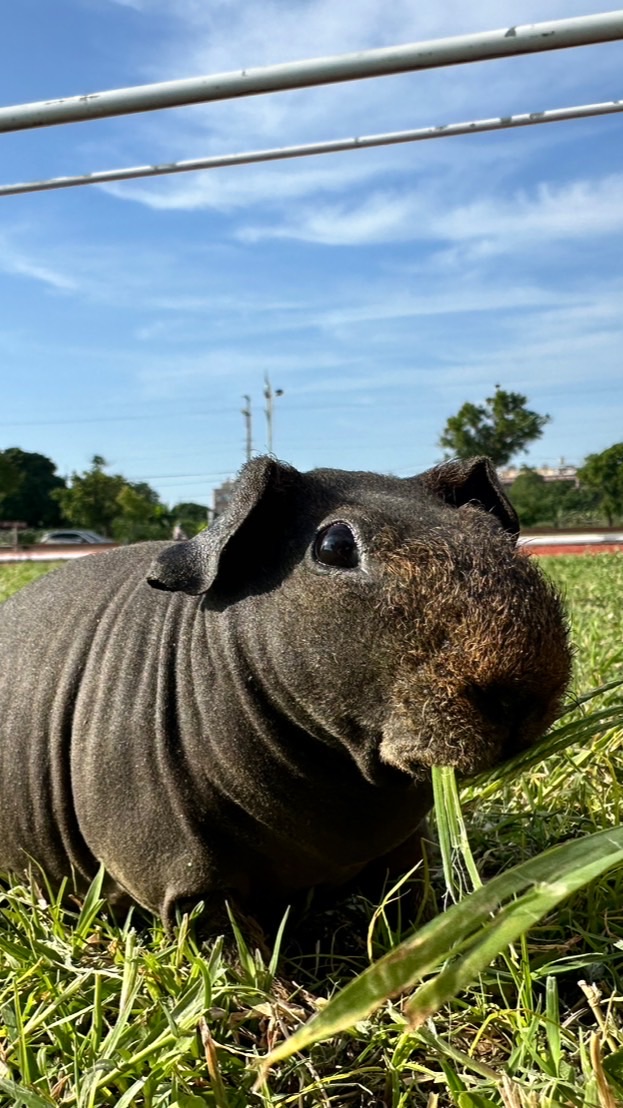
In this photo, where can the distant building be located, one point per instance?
(548, 473)
(222, 496)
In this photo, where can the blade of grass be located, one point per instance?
(22, 1042)
(244, 954)
(129, 988)
(585, 698)
(583, 731)
(552, 1026)
(457, 858)
(21, 1096)
(505, 928)
(467, 926)
(91, 905)
(274, 958)
(444, 831)
(128, 1100)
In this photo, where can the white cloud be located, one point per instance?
(381, 217)
(167, 376)
(460, 298)
(20, 262)
(580, 209)
(575, 210)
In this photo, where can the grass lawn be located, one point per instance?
(92, 1014)
(14, 575)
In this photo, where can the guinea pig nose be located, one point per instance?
(501, 704)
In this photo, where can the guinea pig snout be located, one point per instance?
(469, 727)
(517, 716)
(504, 706)
(440, 716)
(487, 657)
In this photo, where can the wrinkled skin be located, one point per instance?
(233, 717)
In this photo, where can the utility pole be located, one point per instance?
(269, 396)
(246, 412)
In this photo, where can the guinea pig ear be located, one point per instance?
(473, 481)
(192, 566)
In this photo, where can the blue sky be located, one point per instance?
(379, 289)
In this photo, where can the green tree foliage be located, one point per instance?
(500, 428)
(191, 517)
(10, 480)
(573, 505)
(541, 503)
(27, 484)
(113, 506)
(90, 500)
(603, 473)
(140, 515)
(529, 496)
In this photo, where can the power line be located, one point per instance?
(322, 406)
(111, 419)
(180, 476)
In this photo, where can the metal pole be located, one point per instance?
(246, 412)
(460, 49)
(269, 395)
(362, 142)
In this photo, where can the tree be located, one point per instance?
(191, 517)
(10, 480)
(140, 515)
(530, 499)
(30, 499)
(90, 500)
(126, 511)
(500, 428)
(541, 503)
(603, 473)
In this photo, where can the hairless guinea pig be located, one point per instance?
(256, 711)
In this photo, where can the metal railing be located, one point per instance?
(458, 50)
(334, 146)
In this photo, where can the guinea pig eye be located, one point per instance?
(336, 546)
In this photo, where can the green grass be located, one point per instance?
(95, 1015)
(15, 575)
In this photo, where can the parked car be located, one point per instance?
(69, 536)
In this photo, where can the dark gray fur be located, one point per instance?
(257, 723)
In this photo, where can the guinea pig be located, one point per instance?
(256, 711)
